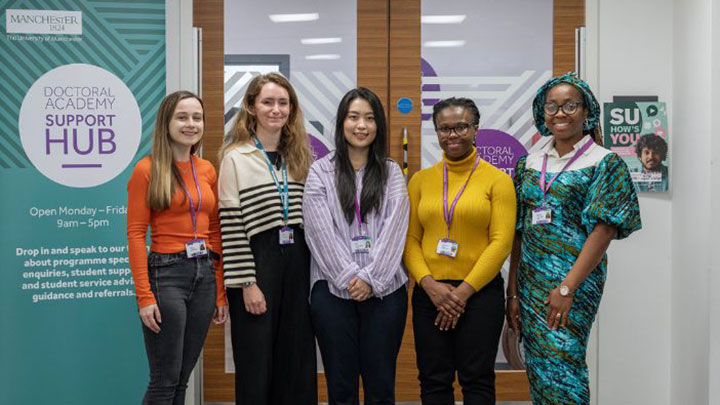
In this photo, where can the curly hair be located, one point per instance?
(465, 103)
(653, 142)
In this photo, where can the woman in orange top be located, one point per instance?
(178, 287)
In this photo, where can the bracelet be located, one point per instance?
(247, 284)
(512, 297)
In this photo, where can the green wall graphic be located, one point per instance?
(81, 83)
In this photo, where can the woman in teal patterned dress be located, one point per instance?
(558, 263)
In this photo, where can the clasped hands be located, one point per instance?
(359, 290)
(449, 300)
(255, 299)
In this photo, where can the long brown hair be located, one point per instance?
(294, 146)
(164, 175)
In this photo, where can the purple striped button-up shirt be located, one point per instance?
(328, 234)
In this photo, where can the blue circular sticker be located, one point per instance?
(404, 105)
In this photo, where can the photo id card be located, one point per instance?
(361, 244)
(447, 247)
(541, 216)
(195, 248)
(287, 236)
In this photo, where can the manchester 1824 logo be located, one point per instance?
(43, 22)
(80, 125)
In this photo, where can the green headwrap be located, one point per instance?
(593, 118)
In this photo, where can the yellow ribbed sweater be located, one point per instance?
(483, 224)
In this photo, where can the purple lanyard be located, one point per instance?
(545, 188)
(193, 211)
(449, 214)
(358, 215)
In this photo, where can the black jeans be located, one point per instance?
(185, 292)
(469, 349)
(359, 338)
(274, 353)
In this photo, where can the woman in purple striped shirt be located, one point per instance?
(355, 211)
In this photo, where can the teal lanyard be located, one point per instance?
(283, 190)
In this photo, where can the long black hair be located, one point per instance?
(375, 175)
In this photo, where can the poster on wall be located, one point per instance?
(638, 133)
(82, 81)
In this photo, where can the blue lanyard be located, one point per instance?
(283, 190)
(194, 212)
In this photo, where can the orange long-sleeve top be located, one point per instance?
(172, 228)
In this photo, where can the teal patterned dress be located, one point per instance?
(579, 199)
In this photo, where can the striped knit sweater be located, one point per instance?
(250, 204)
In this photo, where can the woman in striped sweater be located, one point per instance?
(266, 261)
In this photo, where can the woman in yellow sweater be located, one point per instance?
(462, 221)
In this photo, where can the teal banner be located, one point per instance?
(81, 82)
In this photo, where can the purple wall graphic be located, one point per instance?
(319, 148)
(500, 149)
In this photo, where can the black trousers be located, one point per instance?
(274, 353)
(359, 339)
(469, 349)
(185, 292)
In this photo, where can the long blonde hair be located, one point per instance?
(294, 146)
(164, 174)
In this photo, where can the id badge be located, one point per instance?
(195, 248)
(361, 244)
(287, 236)
(541, 216)
(447, 247)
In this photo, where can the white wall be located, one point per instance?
(178, 45)
(714, 373)
(630, 55)
(659, 316)
(691, 248)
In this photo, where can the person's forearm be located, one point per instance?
(512, 289)
(591, 254)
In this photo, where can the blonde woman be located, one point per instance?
(178, 287)
(265, 162)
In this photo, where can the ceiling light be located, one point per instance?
(327, 56)
(444, 44)
(281, 18)
(320, 41)
(442, 19)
